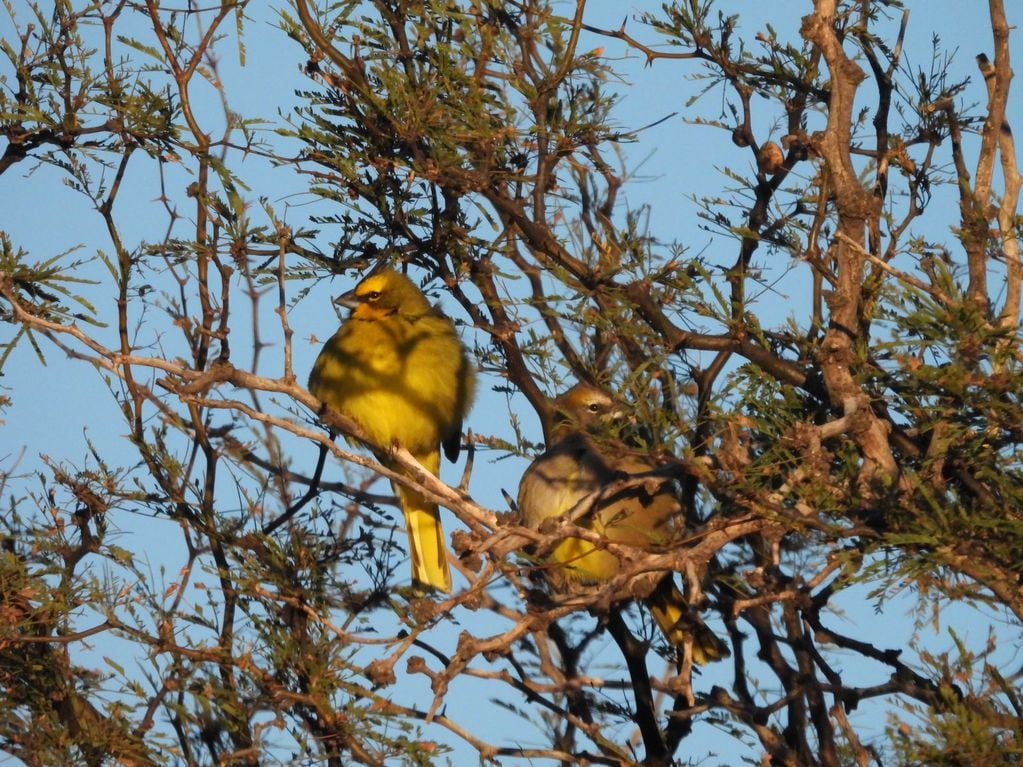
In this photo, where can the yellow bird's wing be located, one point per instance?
(466, 392)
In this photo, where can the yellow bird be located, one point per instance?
(397, 367)
(572, 472)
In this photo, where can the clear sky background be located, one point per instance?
(58, 407)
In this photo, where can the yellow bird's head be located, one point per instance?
(383, 294)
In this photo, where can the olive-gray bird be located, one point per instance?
(571, 471)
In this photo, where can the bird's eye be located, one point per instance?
(373, 295)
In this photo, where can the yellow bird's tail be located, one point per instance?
(427, 546)
(668, 606)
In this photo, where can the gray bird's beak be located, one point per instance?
(348, 300)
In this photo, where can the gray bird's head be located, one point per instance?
(584, 407)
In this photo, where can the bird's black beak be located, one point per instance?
(347, 300)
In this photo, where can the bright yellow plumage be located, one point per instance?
(570, 474)
(397, 367)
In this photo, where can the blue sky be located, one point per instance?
(57, 407)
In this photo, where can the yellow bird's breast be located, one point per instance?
(404, 380)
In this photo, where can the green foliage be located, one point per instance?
(977, 726)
